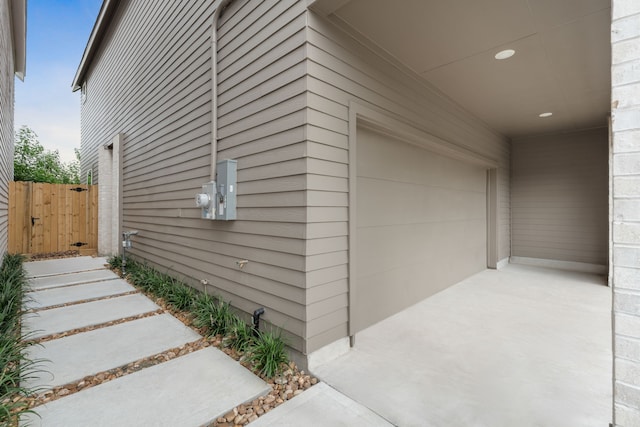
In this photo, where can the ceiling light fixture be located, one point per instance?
(547, 114)
(505, 54)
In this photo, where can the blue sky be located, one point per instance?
(57, 32)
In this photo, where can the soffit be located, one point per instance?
(19, 37)
(562, 60)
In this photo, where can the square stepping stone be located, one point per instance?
(64, 265)
(321, 406)
(47, 282)
(189, 391)
(68, 294)
(72, 358)
(55, 320)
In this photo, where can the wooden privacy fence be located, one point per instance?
(45, 218)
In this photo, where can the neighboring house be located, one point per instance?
(383, 152)
(13, 34)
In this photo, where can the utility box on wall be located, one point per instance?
(218, 198)
(226, 179)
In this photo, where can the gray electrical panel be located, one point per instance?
(226, 180)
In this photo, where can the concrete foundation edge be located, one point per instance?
(328, 353)
(560, 265)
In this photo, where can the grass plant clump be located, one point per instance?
(181, 297)
(15, 367)
(268, 355)
(265, 351)
(203, 308)
(241, 337)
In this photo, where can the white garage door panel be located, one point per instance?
(421, 225)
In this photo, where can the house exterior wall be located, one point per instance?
(625, 159)
(559, 192)
(151, 82)
(283, 114)
(261, 116)
(342, 71)
(6, 120)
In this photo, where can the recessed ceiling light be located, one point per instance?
(504, 54)
(543, 115)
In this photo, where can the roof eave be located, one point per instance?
(326, 7)
(97, 34)
(19, 34)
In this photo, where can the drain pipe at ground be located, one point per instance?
(256, 320)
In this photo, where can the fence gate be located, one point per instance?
(46, 218)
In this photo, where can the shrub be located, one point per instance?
(115, 261)
(222, 318)
(15, 367)
(266, 351)
(181, 297)
(241, 336)
(203, 308)
(268, 355)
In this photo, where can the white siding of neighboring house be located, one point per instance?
(625, 157)
(6, 120)
(342, 70)
(559, 188)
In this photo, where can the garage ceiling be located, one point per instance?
(561, 65)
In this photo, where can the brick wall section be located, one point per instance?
(625, 73)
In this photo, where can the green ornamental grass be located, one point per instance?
(266, 351)
(241, 337)
(268, 355)
(15, 367)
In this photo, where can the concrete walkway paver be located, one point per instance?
(80, 292)
(53, 267)
(321, 406)
(74, 357)
(56, 320)
(188, 391)
(46, 282)
(191, 390)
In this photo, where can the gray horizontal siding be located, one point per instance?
(261, 106)
(341, 70)
(151, 82)
(559, 202)
(285, 80)
(6, 122)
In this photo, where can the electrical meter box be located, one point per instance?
(218, 198)
(227, 177)
(206, 200)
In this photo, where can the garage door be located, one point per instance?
(420, 225)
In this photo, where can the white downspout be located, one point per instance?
(214, 86)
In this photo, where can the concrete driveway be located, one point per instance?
(522, 346)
